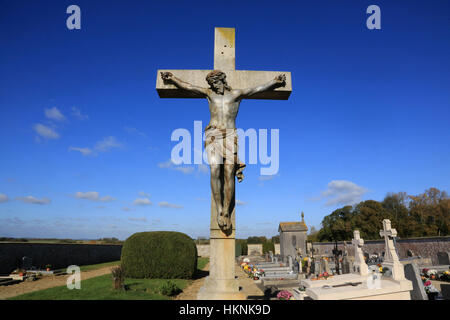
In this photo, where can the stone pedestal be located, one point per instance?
(221, 284)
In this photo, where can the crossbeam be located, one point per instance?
(224, 59)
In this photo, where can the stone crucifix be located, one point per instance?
(227, 88)
(360, 263)
(391, 258)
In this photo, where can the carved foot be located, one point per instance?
(220, 220)
(227, 224)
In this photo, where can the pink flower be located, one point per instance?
(427, 283)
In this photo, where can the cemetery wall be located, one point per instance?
(254, 249)
(57, 255)
(424, 247)
(277, 248)
(203, 250)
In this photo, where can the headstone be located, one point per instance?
(325, 266)
(443, 258)
(27, 263)
(317, 267)
(308, 247)
(290, 262)
(412, 273)
(359, 266)
(391, 258)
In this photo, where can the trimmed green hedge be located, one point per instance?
(159, 255)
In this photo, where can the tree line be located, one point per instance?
(423, 215)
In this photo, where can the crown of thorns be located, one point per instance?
(215, 75)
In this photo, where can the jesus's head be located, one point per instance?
(217, 81)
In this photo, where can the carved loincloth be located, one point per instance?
(222, 144)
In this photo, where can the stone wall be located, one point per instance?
(277, 248)
(254, 249)
(424, 247)
(57, 255)
(203, 250)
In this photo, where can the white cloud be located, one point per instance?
(33, 200)
(83, 151)
(170, 165)
(126, 209)
(267, 178)
(3, 198)
(165, 204)
(93, 196)
(131, 130)
(54, 114)
(240, 203)
(342, 192)
(90, 195)
(107, 199)
(143, 194)
(77, 114)
(45, 132)
(138, 219)
(142, 202)
(106, 144)
(203, 168)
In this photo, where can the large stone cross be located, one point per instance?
(360, 265)
(390, 257)
(225, 60)
(221, 283)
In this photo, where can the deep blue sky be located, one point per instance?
(84, 133)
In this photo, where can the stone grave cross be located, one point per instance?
(391, 258)
(221, 283)
(360, 265)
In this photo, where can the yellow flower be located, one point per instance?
(381, 269)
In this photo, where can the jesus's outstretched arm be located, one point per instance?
(170, 78)
(279, 81)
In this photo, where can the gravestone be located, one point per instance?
(345, 265)
(443, 258)
(359, 266)
(391, 259)
(324, 266)
(290, 262)
(412, 273)
(317, 267)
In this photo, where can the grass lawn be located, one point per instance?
(100, 288)
(201, 262)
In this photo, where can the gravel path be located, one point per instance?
(46, 282)
(190, 292)
(248, 286)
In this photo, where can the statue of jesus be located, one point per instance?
(221, 138)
